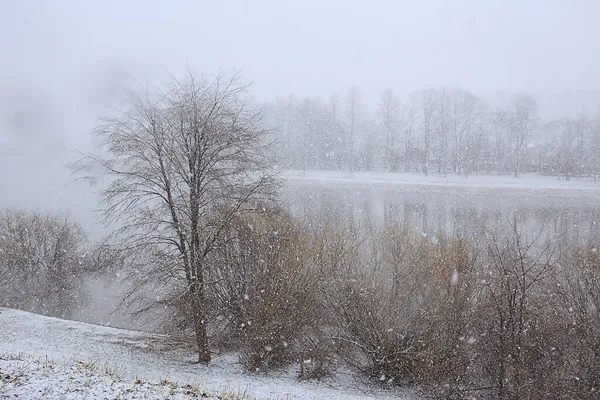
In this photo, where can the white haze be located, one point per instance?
(62, 63)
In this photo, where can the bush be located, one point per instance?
(41, 262)
(266, 287)
(403, 311)
(44, 260)
(578, 303)
(518, 349)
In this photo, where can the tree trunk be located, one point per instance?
(200, 324)
(202, 342)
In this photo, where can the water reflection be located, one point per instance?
(565, 217)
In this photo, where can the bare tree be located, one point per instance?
(522, 117)
(179, 166)
(353, 104)
(427, 127)
(410, 111)
(389, 109)
(443, 125)
(464, 110)
(567, 154)
(336, 154)
(501, 140)
(480, 145)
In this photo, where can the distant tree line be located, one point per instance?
(437, 130)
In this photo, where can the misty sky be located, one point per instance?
(62, 61)
(310, 47)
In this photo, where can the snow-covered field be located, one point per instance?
(42, 358)
(475, 181)
(27, 378)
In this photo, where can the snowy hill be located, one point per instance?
(43, 357)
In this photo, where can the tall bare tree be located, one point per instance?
(428, 105)
(464, 112)
(443, 125)
(389, 114)
(335, 133)
(522, 119)
(179, 166)
(353, 108)
(410, 112)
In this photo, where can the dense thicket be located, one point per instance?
(498, 318)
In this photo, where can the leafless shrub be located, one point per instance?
(336, 249)
(265, 283)
(403, 314)
(42, 260)
(516, 341)
(578, 292)
(316, 357)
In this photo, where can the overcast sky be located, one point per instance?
(61, 61)
(311, 46)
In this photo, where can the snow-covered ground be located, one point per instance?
(42, 357)
(27, 378)
(475, 181)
